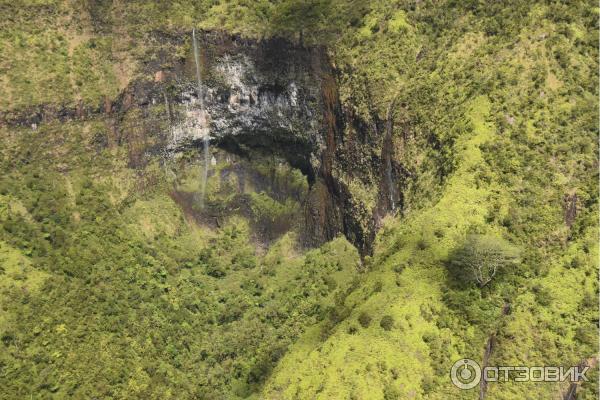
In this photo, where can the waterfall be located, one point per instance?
(203, 121)
(205, 142)
(390, 184)
(169, 117)
(198, 77)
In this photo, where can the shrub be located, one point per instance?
(364, 319)
(244, 260)
(391, 393)
(387, 322)
(216, 271)
(377, 287)
(481, 257)
(399, 268)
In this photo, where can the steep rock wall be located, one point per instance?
(270, 97)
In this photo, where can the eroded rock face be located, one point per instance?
(261, 95)
(246, 95)
(265, 97)
(270, 97)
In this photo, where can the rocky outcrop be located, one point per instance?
(270, 97)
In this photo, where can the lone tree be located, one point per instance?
(481, 257)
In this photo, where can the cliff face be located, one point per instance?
(250, 97)
(263, 97)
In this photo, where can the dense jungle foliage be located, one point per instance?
(111, 287)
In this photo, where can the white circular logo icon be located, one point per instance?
(465, 374)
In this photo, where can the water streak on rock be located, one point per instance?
(206, 137)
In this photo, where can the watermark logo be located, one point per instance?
(466, 374)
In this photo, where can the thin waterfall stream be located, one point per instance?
(203, 120)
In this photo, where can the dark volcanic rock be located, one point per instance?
(270, 97)
(259, 96)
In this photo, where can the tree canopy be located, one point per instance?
(482, 257)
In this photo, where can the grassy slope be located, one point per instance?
(53, 55)
(530, 139)
(109, 289)
(373, 362)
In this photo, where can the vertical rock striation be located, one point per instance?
(248, 96)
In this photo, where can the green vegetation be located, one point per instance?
(52, 56)
(497, 120)
(116, 283)
(481, 257)
(100, 280)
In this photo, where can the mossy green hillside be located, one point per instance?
(114, 287)
(105, 273)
